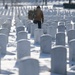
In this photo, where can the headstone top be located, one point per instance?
(45, 35)
(26, 58)
(22, 40)
(57, 46)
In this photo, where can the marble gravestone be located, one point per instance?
(7, 25)
(51, 30)
(60, 38)
(28, 66)
(33, 27)
(45, 43)
(21, 35)
(23, 48)
(71, 35)
(37, 34)
(68, 27)
(3, 43)
(44, 27)
(58, 60)
(61, 28)
(20, 28)
(18, 22)
(4, 31)
(72, 50)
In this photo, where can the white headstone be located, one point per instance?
(33, 27)
(37, 34)
(60, 38)
(71, 35)
(51, 30)
(58, 60)
(45, 43)
(7, 25)
(3, 43)
(20, 28)
(61, 28)
(68, 27)
(72, 50)
(23, 48)
(22, 35)
(28, 66)
(4, 31)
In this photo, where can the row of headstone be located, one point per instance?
(60, 27)
(45, 43)
(45, 40)
(58, 51)
(3, 43)
(4, 34)
(23, 45)
(60, 40)
(28, 65)
(58, 60)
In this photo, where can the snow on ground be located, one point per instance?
(9, 65)
(9, 61)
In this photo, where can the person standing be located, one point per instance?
(39, 17)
